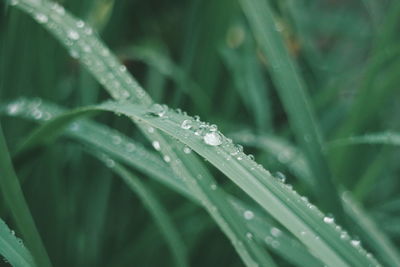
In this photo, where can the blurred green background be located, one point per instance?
(202, 57)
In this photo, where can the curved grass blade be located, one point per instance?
(129, 152)
(369, 231)
(15, 201)
(161, 218)
(295, 100)
(12, 249)
(382, 245)
(320, 234)
(385, 138)
(83, 45)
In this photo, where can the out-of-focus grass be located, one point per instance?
(210, 58)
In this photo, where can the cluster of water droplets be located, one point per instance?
(28, 109)
(83, 44)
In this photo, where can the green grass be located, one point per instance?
(297, 83)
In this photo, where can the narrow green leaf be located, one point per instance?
(12, 249)
(160, 215)
(324, 239)
(83, 45)
(294, 97)
(379, 242)
(15, 201)
(386, 138)
(116, 145)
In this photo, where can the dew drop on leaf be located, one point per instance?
(156, 145)
(212, 139)
(248, 215)
(186, 124)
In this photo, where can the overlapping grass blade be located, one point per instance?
(294, 97)
(134, 154)
(249, 81)
(376, 239)
(160, 215)
(324, 239)
(16, 204)
(83, 45)
(12, 249)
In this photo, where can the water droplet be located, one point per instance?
(186, 124)
(73, 35)
(58, 8)
(275, 232)
(156, 145)
(13, 109)
(213, 128)
(150, 130)
(280, 176)
(187, 150)
(130, 147)
(248, 215)
(110, 163)
(303, 233)
(250, 157)
(249, 235)
(329, 219)
(37, 114)
(80, 24)
(88, 31)
(74, 54)
(275, 244)
(213, 187)
(122, 68)
(41, 18)
(159, 110)
(116, 140)
(213, 139)
(355, 243)
(166, 158)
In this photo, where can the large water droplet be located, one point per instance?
(248, 215)
(212, 139)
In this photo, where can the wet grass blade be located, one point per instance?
(380, 243)
(16, 203)
(292, 92)
(107, 141)
(82, 44)
(328, 242)
(12, 249)
(386, 138)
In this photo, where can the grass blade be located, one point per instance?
(83, 45)
(328, 242)
(295, 100)
(386, 138)
(156, 209)
(377, 239)
(15, 201)
(132, 153)
(12, 248)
